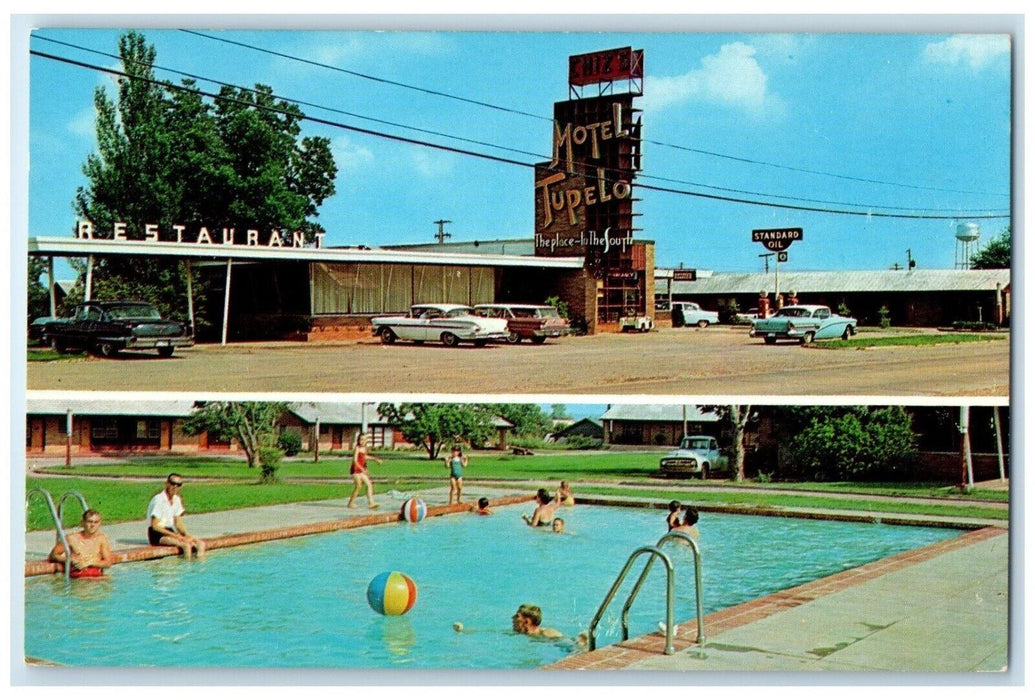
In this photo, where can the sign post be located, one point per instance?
(777, 240)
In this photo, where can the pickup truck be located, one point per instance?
(803, 323)
(689, 313)
(108, 327)
(697, 455)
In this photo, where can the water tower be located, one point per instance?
(966, 237)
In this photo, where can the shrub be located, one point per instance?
(290, 443)
(269, 459)
(885, 317)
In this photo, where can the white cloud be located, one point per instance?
(730, 77)
(348, 156)
(431, 163)
(83, 123)
(973, 50)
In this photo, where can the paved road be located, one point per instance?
(708, 362)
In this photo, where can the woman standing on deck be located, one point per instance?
(455, 463)
(359, 473)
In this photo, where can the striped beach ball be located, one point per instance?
(392, 593)
(414, 510)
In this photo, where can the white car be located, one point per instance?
(688, 313)
(450, 324)
(697, 455)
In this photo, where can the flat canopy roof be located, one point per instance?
(83, 247)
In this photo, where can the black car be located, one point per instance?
(107, 327)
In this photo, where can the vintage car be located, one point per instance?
(697, 455)
(449, 323)
(38, 324)
(689, 313)
(107, 327)
(633, 322)
(803, 323)
(535, 322)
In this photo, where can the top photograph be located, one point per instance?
(715, 214)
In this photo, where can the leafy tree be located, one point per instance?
(559, 411)
(38, 294)
(995, 255)
(252, 423)
(167, 156)
(528, 418)
(434, 425)
(853, 443)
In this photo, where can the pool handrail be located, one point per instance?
(655, 553)
(61, 504)
(696, 549)
(57, 524)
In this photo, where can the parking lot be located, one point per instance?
(713, 361)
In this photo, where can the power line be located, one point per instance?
(500, 159)
(462, 139)
(489, 105)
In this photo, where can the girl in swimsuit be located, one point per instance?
(455, 463)
(359, 473)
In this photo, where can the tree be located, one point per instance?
(252, 423)
(433, 425)
(995, 255)
(559, 411)
(529, 419)
(38, 295)
(738, 417)
(167, 156)
(852, 443)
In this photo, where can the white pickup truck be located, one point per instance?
(689, 313)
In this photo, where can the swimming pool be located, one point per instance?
(302, 602)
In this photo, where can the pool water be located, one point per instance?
(302, 602)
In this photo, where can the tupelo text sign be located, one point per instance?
(777, 239)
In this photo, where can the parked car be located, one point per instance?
(535, 322)
(747, 316)
(449, 323)
(803, 323)
(37, 325)
(639, 323)
(108, 327)
(697, 455)
(689, 313)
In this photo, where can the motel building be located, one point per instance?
(273, 284)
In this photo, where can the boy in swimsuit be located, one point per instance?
(91, 551)
(360, 475)
(483, 506)
(527, 620)
(455, 463)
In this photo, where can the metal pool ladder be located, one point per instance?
(655, 553)
(56, 514)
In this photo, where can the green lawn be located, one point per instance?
(868, 341)
(121, 492)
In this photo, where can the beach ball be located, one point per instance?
(414, 510)
(392, 593)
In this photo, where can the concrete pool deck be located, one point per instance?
(938, 609)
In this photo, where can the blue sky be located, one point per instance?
(908, 123)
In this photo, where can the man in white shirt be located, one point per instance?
(164, 524)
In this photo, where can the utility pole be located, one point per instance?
(766, 256)
(441, 236)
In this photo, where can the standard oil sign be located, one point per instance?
(776, 239)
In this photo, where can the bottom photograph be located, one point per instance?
(566, 536)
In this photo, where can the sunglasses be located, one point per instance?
(175, 483)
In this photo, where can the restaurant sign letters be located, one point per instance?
(179, 233)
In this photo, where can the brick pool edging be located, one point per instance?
(624, 654)
(42, 567)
